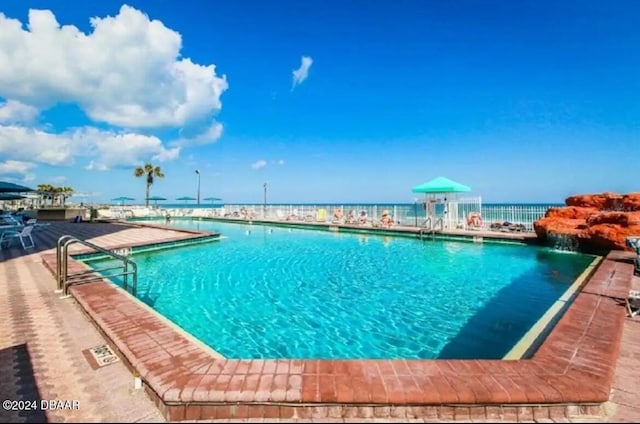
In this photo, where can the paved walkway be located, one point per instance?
(42, 338)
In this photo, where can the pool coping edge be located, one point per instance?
(559, 366)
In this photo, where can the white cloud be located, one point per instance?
(300, 74)
(281, 162)
(18, 168)
(12, 112)
(24, 143)
(259, 164)
(59, 179)
(93, 166)
(127, 72)
(104, 149)
(208, 136)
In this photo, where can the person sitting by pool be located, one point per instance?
(363, 218)
(337, 216)
(245, 214)
(474, 220)
(386, 219)
(293, 216)
(351, 217)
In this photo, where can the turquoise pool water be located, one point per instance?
(274, 292)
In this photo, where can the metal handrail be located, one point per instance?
(62, 264)
(59, 278)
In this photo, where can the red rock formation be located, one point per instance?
(571, 212)
(600, 221)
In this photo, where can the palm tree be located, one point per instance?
(46, 192)
(149, 171)
(65, 192)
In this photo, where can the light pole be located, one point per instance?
(415, 210)
(264, 209)
(198, 172)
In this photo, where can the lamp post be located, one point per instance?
(264, 208)
(198, 172)
(415, 211)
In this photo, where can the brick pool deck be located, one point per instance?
(587, 369)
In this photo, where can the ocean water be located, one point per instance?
(274, 292)
(204, 205)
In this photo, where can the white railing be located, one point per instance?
(515, 214)
(454, 215)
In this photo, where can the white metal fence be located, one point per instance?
(451, 215)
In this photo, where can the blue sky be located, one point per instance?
(527, 101)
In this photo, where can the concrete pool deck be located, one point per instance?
(43, 336)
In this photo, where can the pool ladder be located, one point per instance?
(65, 280)
(428, 227)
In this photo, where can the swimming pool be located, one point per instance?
(277, 292)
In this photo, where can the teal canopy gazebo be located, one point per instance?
(442, 191)
(441, 185)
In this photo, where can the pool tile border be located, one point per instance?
(570, 375)
(396, 231)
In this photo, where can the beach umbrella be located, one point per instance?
(186, 198)
(156, 199)
(11, 196)
(212, 199)
(6, 187)
(122, 199)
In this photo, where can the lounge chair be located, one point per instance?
(474, 221)
(363, 219)
(24, 233)
(386, 220)
(351, 217)
(633, 303)
(36, 225)
(294, 216)
(321, 215)
(337, 216)
(7, 219)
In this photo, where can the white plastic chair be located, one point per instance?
(23, 234)
(33, 222)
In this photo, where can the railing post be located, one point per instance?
(135, 278)
(125, 277)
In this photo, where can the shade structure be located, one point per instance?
(7, 187)
(156, 199)
(212, 199)
(441, 185)
(122, 199)
(185, 198)
(11, 196)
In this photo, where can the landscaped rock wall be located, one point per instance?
(599, 221)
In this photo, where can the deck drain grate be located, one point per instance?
(100, 356)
